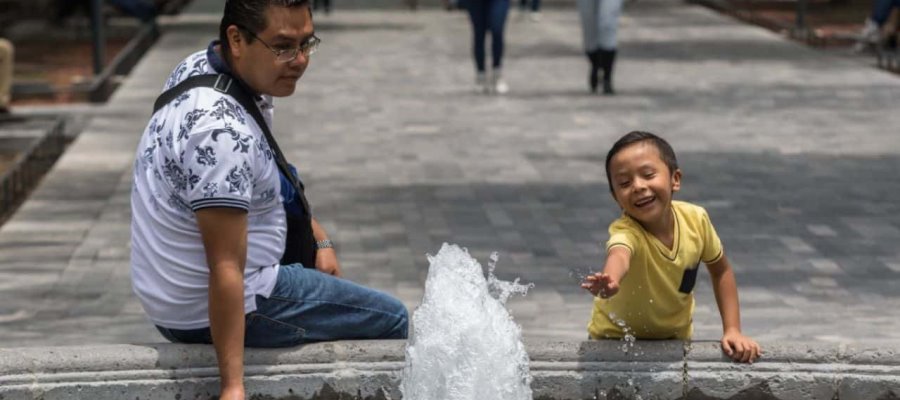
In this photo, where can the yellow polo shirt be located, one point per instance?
(655, 299)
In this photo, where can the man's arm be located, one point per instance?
(734, 343)
(606, 283)
(326, 259)
(224, 232)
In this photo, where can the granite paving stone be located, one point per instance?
(793, 152)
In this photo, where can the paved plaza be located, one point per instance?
(794, 152)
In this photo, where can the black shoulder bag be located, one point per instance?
(300, 244)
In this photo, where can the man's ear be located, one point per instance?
(236, 41)
(676, 180)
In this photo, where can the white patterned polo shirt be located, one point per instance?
(201, 150)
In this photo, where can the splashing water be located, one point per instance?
(464, 344)
(580, 274)
(629, 338)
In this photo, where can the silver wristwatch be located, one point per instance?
(324, 244)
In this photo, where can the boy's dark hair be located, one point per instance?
(665, 151)
(249, 15)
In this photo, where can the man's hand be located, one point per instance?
(326, 259)
(601, 284)
(740, 348)
(327, 262)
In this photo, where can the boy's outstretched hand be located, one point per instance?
(740, 348)
(600, 284)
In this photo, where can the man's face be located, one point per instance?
(256, 64)
(642, 183)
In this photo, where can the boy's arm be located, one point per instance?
(734, 343)
(606, 283)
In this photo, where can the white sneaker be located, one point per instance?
(869, 35)
(481, 83)
(499, 85)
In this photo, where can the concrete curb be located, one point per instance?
(371, 370)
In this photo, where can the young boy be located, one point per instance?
(654, 252)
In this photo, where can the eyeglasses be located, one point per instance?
(288, 54)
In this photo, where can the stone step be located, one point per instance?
(373, 369)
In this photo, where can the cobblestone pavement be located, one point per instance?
(790, 150)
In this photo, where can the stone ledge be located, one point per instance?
(371, 370)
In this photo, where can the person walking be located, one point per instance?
(871, 32)
(599, 28)
(216, 209)
(488, 16)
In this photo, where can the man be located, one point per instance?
(208, 223)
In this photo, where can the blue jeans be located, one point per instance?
(488, 15)
(309, 306)
(881, 10)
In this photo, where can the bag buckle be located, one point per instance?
(223, 83)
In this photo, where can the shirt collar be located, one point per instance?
(215, 61)
(221, 66)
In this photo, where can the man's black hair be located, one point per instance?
(249, 15)
(665, 151)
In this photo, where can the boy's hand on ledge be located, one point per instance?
(600, 284)
(740, 348)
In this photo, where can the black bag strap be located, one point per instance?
(224, 83)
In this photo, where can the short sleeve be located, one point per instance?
(621, 233)
(221, 165)
(712, 245)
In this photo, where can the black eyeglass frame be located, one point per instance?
(308, 47)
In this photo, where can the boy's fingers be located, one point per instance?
(727, 347)
(748, 355)
(736, 354)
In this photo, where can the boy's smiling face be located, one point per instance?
(642, 183)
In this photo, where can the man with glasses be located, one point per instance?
(208, 225)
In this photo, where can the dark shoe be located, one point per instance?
(593, 78)
(607, 60)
